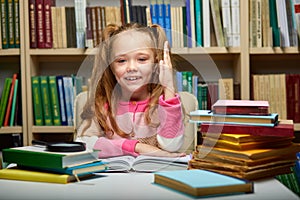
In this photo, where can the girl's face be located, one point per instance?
(132, 64)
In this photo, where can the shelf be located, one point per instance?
(53, 129)
(275, 50)
(10, 52)
(11, 129)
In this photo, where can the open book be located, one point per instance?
(145, 163)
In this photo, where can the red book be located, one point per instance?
(32, 24)
(48, 23)
(10, 98)
(241, 107)
(285, 128)
(40, 23)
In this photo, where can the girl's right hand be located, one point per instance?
(149, 150)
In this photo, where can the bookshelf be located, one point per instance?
(12, 60)
(232, 62)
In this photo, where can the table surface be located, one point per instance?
(126, 186)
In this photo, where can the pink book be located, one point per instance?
(240, 107)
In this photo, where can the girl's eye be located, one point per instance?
(120, 60)
(142, 59)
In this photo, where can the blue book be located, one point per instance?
(179, 81)
(202, 183)
(207, 116)
(188, 24)
(87, 168)
(161, 13)
(198, 21)
(154, 11)
(62, 104)
(168, 27)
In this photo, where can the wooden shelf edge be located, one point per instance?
(11, 129)
(10, 52)
(53, 129)
(275, 50)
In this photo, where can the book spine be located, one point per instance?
(67, 83)
(198, 21)
(40, 23)
(11, 24)
(54, 100)
(13, 106)
(37, 101)
(4, 24)
(9, 103)
(60, 87)
(216, 16)
(168, 27)
(46, 100)
(206, 23)
(16, 23)
(48, 4)
(235, 19)
(5, 94)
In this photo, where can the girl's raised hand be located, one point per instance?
(166, 73)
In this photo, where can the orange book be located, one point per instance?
(10, 98)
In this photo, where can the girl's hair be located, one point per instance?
(104, 92)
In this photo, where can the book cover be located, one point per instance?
(284, 128)
(40, 23)
(62, 103)
(13, 105)
(37, 101)
(48, 23)
(4, 98)
(226, 89)
(202, 182)
(37, 156)
(10, 100)
(4, 24)
(32, 24)
(207, 116)
(54, 102)
(239, 107)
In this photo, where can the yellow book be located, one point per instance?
(28, 175)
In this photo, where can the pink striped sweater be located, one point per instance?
(168, 134)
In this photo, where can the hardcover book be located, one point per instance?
(207, 116)
(284, 128)
(37, 156)
(202, 182)
(146, 163)
(239, 107)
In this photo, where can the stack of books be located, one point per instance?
(242, 139)
(35, 163)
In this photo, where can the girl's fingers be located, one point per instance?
(167, 55)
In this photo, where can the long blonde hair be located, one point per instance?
(104, 91)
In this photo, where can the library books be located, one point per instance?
(207, 116)
(284, 128)
(202, 182)
(248, 107)
(37, 156)
(144, 163)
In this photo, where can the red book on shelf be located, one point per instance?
(10, 98)
(240, 107)
(285, 128)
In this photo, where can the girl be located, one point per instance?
(134, 108)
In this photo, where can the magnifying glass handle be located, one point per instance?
(38, 142)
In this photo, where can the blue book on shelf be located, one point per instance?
(202, 183)
(168, 27)
(161, 13)
(207, 116)
(198, 21)
(188, 24)
(62, 104)
(154, 11)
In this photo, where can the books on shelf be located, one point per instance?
(207, 116)
(249, 107)
(146, 163)
(201, 183)
(37, 156)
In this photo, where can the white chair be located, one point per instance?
(189, 102)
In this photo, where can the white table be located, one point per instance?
(126, 186)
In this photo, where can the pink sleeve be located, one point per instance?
(115, 147)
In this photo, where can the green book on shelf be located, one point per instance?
(4, 99)
(13, 106)
(54, 101)
(38, 156)
(47, 111)
(274, 23)
(202, 183)
(37, 101)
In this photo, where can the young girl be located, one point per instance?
(134, 108)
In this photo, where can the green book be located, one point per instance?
(4, 24)
(37, 101)
(13, 106)
(37, 156)
(4, 99)
(54, 100)
(202, 183)
(47, 111)
(185, 38)
(274, 23)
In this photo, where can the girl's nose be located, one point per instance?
(132, 66)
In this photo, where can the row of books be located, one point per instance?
(274, 23)
(36, 163)
(187, 24)
(281, 91)
(10, 24)
(53, 99)
(249, 146)
(10, 103)
(291, 180)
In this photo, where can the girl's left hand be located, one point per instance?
(166, 73)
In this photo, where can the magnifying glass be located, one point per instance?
(61, 146)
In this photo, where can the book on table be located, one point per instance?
(201, 183)
(145, 163)
(38, 156)
(207, 116)
(284, 128)
(248, 107)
